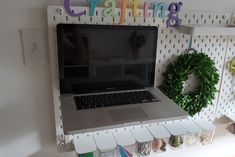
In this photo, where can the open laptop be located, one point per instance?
(107, 76)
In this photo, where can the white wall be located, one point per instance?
(26, 109)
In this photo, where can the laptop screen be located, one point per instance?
(100, 58)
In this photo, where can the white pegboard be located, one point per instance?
(170, 44)
(226, 103)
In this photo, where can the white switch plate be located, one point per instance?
(34, 44)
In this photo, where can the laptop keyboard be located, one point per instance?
(113, 99)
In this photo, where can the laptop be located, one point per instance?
(107, 75)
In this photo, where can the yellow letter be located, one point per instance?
(134, 8)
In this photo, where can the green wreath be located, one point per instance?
(176, 74)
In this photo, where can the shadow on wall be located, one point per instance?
(18, 131)
(27, 117)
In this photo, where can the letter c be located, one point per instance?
(69, 11)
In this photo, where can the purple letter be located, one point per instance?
(173, 20)
(69, 11)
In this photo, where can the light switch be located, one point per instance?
(34, 44)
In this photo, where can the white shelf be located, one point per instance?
(158, 131)
(207, 30)
(176, 129)
(84, 143)
(141, 134)
(124, 137)
(105, 141)
(205, 125)
(191, 127)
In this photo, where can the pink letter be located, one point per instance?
(146, 9)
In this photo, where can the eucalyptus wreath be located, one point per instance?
(203, 67)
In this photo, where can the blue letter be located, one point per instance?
(93, 4)
(157, 7)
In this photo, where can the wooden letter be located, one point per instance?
(93, 4)
(110, 10)
(69, 11)
(123, 12)
(146, 9)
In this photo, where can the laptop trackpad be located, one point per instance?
(127, 114)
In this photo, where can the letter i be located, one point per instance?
(146, 9)
(134, 8)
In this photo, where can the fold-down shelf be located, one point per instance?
(206, 30)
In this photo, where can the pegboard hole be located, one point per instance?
(154, 20)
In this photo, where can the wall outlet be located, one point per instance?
(34, 44)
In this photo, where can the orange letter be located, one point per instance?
(123, 12)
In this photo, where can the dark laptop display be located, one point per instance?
(98, 58)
